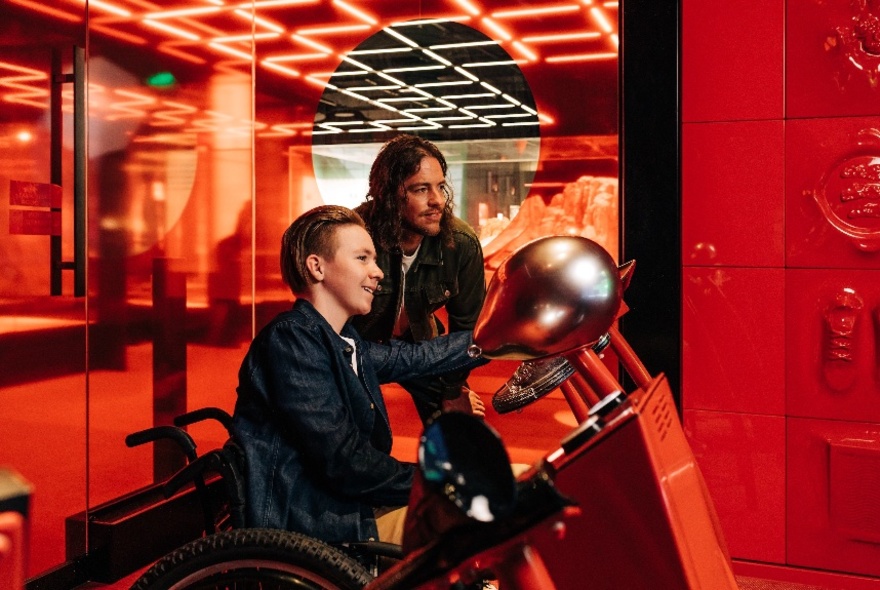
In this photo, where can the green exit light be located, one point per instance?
(161, 79)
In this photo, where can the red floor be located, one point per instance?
(44, 422)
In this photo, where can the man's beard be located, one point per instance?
(410, 227)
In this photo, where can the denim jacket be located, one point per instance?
(316, 435)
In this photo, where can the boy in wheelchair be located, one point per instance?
(309, 414)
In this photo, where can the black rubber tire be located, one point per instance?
(255, 558)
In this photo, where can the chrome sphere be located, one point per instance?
(553, 295)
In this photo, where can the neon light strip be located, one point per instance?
(257, 20)
(436, 57)
(356, 12)
(401, 38)
(561, 37)
(580, 57)
(467, 6)
(600, 19)
(335, 30)
(281, 69)
(231, 51)
(463, 45)
(109, 8)
(563, 8)
(380, 51)
(197, 11)
(60, 14)
(530, 55)
(431, 21)
(497, 29)
(313, 44)
(172, 30)
(484, 107)
(427, 110)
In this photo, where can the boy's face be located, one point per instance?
(425, 198)
(351, 275)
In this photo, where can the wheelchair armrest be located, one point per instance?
(210, 413)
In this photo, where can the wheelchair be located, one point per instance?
(229, 555)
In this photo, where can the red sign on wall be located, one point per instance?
(34, 194)
(45, 217)
(34, 223)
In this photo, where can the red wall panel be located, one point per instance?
(781, 277)
(832, 331)
(748, 488)
(832, 58)
(832, 161)
(733, 338)
(732, 193)
(833, 477)
(732, 60)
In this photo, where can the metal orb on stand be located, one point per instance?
(553, 295)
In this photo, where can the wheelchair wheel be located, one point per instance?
(245, 559)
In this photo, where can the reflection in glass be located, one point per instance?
(456, 86)
(42, 337)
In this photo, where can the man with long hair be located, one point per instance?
(430, 258)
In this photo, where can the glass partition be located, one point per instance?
(42, 320)
(170, 195)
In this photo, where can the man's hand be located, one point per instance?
(469, 402)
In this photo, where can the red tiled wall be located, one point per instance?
(781, 274)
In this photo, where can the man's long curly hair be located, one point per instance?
(382, 211)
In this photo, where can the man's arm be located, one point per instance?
(464, 309)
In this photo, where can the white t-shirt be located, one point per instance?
(402, 322)
(354, 357)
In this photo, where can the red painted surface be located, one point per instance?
(833, 517)
(733, 338)
(818, 152)
(833, 344)
(13, 550)
(828, 60)
(732, 187)
(732, 60)
(649, 525)
(780, 294)
(748, 488)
